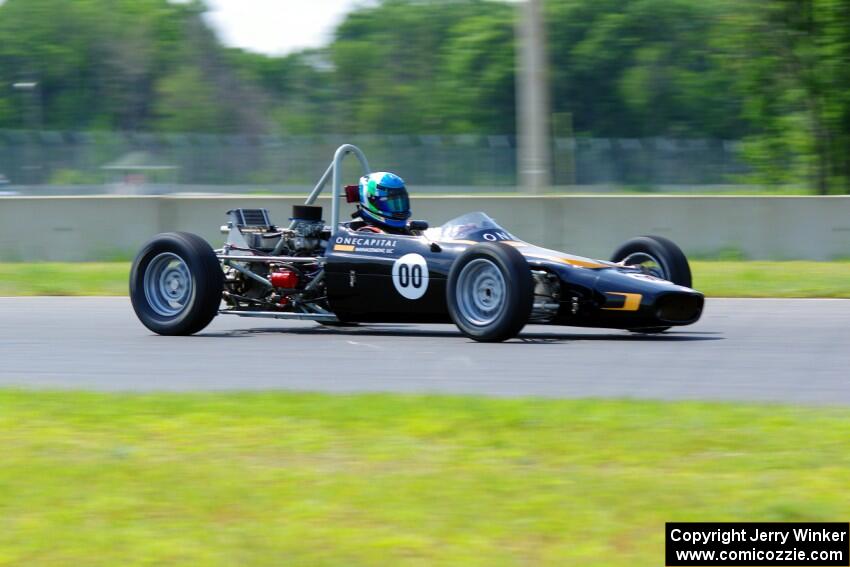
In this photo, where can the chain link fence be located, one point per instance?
(109, 161)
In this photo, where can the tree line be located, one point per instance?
(773, 73)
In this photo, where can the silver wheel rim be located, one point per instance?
(648, 264)
(168, 284)
(481, 292)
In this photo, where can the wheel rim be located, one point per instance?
(481, 291)
(648, 264)
(168, 284)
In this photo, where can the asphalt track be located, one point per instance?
(763, 350)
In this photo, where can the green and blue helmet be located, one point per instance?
(384, 200)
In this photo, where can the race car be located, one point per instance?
(470, 271)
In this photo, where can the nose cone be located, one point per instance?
(631, 299)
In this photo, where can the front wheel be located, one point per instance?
(490, 292)
(657, 256)
(176, 284)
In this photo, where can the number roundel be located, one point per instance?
(410, 276)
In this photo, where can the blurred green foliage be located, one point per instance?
(773, 73)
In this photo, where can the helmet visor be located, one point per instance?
(397, 201)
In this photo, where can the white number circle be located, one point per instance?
(410, 276)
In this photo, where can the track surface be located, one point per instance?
(768, 350)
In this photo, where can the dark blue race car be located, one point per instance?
(470, 271)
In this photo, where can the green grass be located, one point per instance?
(49, 278)
(305, 479)
(715, 278)
(772, 279)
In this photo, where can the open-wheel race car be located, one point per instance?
(469, 271)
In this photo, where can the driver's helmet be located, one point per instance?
(384, 200)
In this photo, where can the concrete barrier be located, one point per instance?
(110, 227)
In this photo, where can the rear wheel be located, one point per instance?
(176, 284)
(657, 256)
(490, 292)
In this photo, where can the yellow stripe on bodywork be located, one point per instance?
(343, 248)
(570, 261)
(551, 257)
(631, 303)
(582, 263)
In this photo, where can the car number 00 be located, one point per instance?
(410, 276)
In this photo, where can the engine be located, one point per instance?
(255, 232)
(304, 235)
(293, 279)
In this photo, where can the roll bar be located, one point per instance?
(335, 171)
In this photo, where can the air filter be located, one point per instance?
(306, 213)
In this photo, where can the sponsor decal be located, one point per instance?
(497, 236)
(410, 276)
(365, 244)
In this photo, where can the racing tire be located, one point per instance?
(669, 258)
(337, 324)
(176, 284)
(490, 292)
(666, 258)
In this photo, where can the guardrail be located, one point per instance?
(112, 227)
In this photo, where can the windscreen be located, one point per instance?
(463, 227)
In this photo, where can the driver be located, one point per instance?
(384, 204)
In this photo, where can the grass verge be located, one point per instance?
(715, 278)
(304, 479)
(64, 278)
(772, 279)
